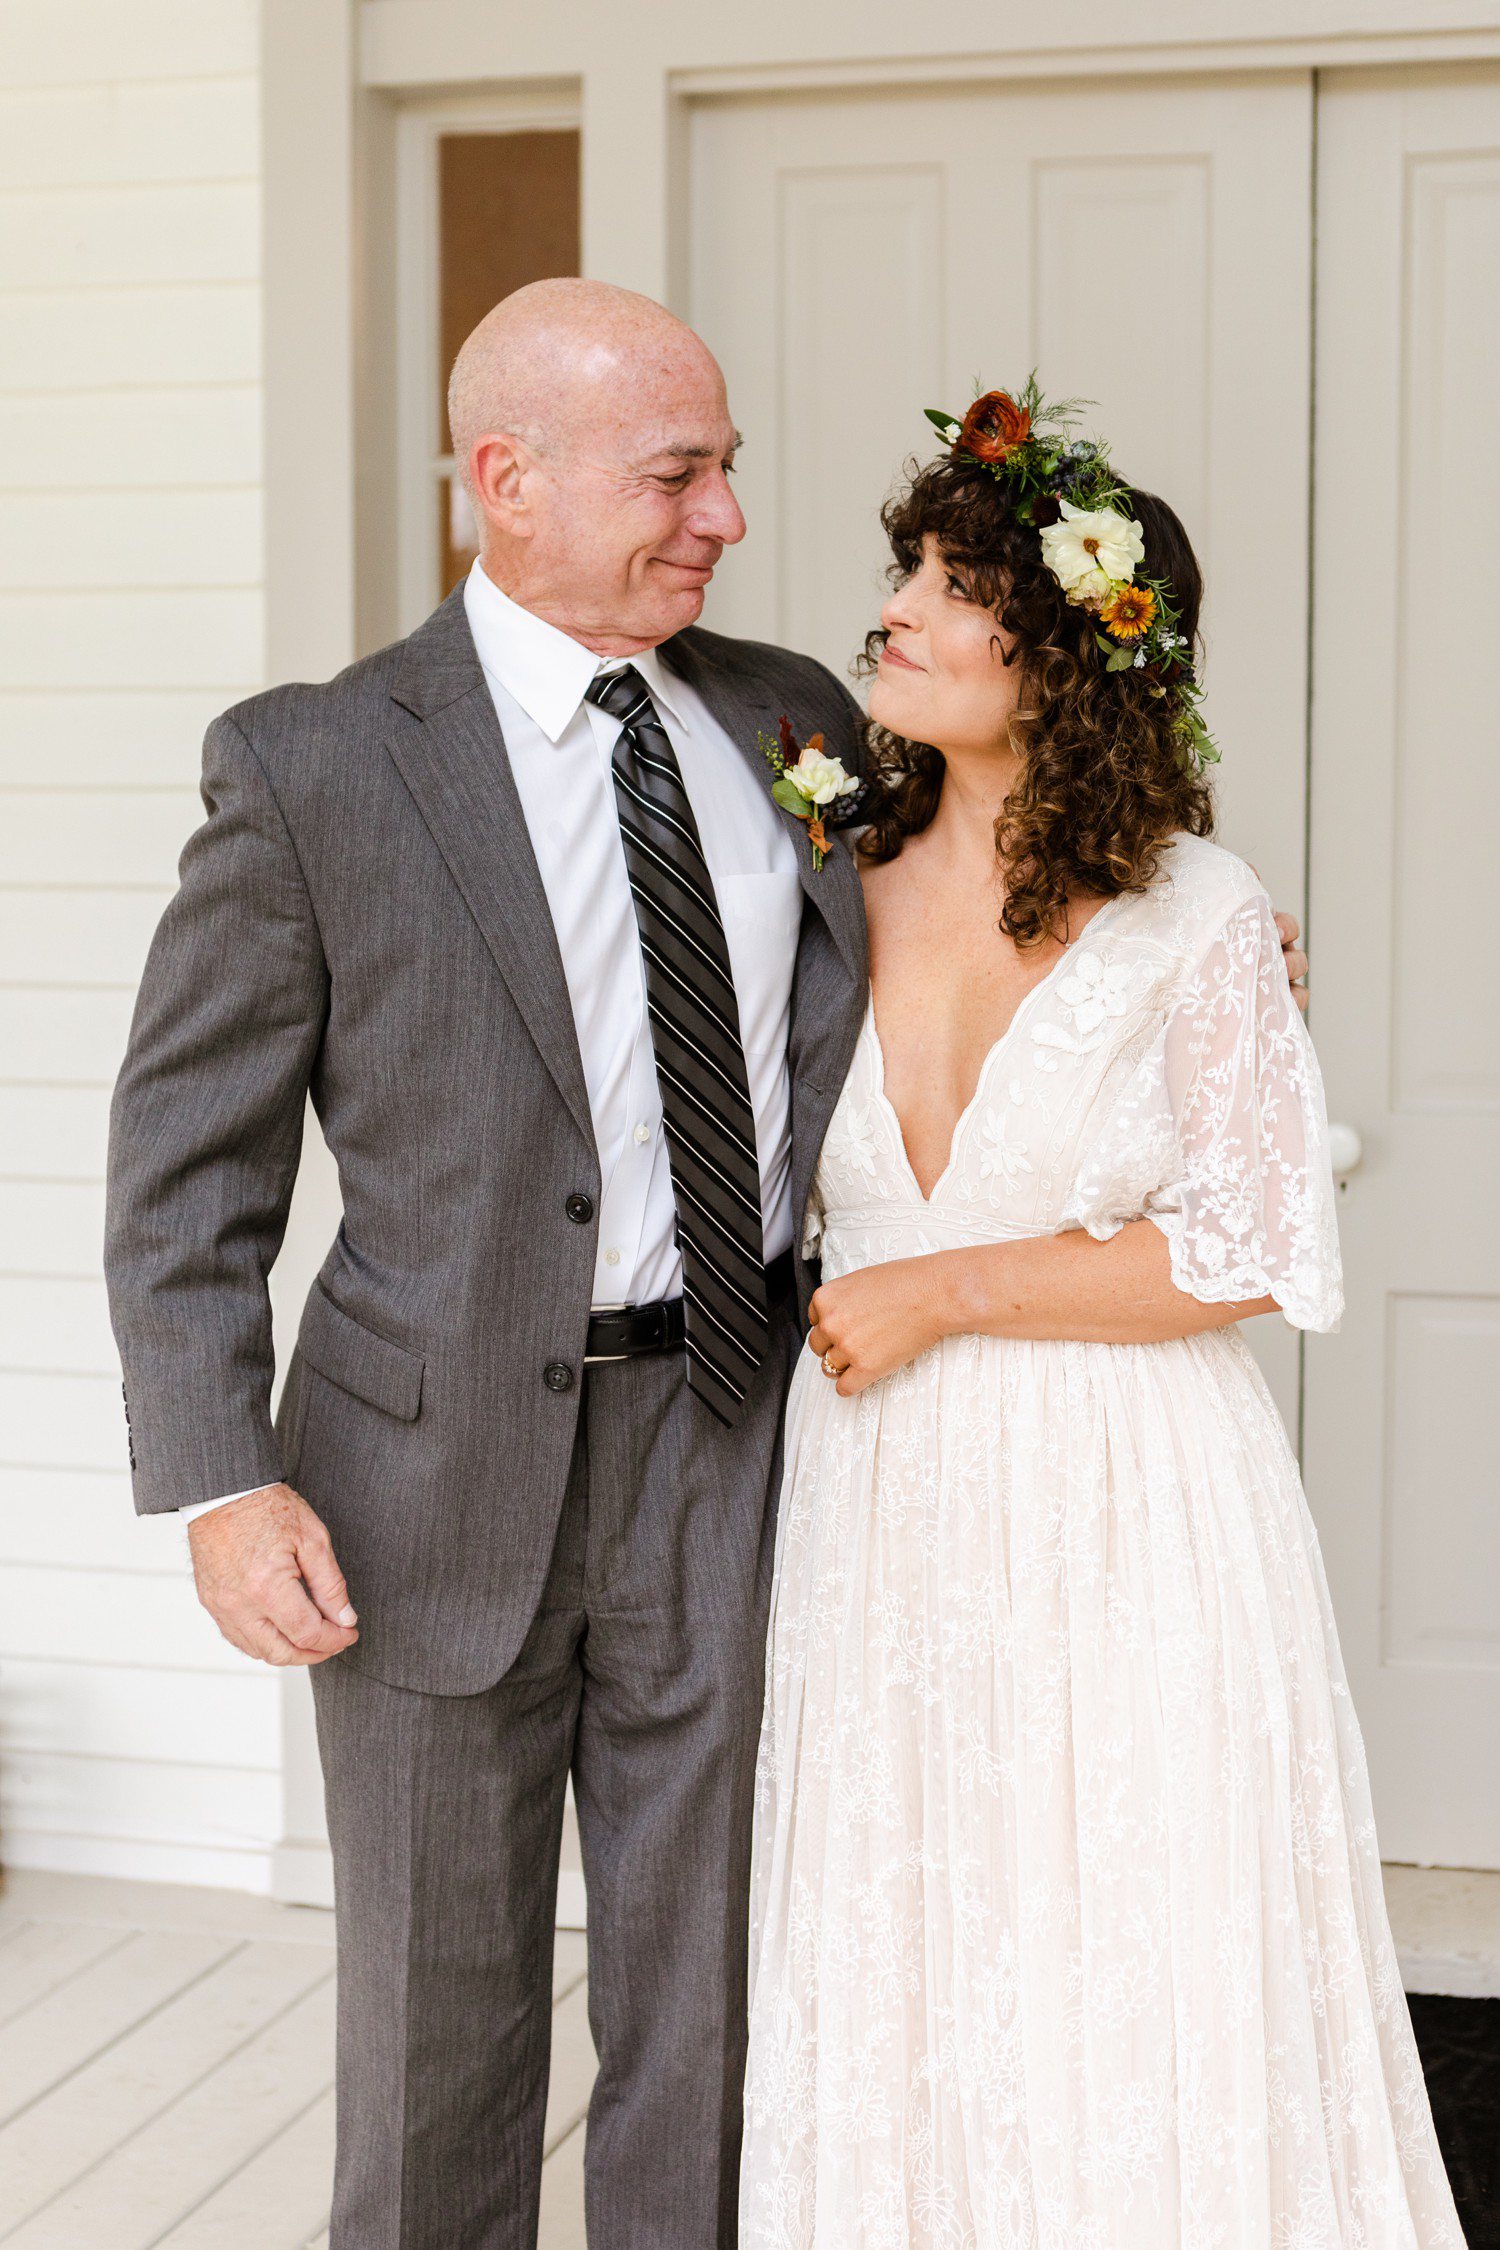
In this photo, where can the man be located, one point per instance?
(513, 902)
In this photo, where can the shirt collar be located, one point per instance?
(542, 667)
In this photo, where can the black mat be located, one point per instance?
(1460, 2046)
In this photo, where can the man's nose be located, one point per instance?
(719, 516)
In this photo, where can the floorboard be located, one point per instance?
(166, 2071)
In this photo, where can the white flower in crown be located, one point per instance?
(820, 778)
(1088, 550)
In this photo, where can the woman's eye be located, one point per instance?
(957, 588)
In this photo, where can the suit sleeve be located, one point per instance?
(205, 1138)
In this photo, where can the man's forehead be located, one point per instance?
(688, 439)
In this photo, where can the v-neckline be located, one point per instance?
(955, 1138)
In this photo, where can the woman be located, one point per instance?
(1068, 1925)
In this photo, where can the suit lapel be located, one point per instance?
(448, 747)
(744, 707)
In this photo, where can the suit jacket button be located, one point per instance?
(558, 1377)
(579, 1209)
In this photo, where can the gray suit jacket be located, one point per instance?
(361, 917)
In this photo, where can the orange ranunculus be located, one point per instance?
(993, 427)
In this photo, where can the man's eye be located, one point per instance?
(675, 484)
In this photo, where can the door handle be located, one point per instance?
(1346, 1150)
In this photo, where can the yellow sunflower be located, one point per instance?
(1128, 612)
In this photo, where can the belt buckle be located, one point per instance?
(609, 1359)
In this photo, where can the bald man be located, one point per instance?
(512, 902)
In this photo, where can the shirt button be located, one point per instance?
(611, 1257)
(579, 1209)
(643, 1133)
(557, 1377)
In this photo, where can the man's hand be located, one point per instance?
(267, 1577)
(1296, 960)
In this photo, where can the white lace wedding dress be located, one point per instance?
(1068, 1930)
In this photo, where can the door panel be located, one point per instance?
(856, 258)
(1403, 1406)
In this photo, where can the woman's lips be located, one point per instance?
(890, 655)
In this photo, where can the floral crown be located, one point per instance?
(1063, 485)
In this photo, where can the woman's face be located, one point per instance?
(942, 676)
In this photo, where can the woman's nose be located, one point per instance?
(899, 609)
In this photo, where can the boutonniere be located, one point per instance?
(806, 782)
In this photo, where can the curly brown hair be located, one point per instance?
(1105, 780)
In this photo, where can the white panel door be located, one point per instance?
(1145, 245)
(1403, 1406)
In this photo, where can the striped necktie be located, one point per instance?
(700, 1064)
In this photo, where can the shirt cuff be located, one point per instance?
(206, 1507)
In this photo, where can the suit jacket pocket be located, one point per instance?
(384, 1374)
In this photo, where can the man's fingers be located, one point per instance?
(298, 1619)
(324, 1579)
(273, 1647)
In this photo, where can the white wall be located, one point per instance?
(132, 1739)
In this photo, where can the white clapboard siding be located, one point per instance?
(105, 1617)
(205, 230)
(82, 42)
(56, 539)
(108, 836)
(50, 1227)
(80, 136)
(80, 935)
(107, 1711)
(51, 1323)
(219, 1806)
(51, 1132)
(137, 638)
(82, 1416)
(177, 434)
(87, 738)
(88, 1021)
(185, 333)
(67, 1516)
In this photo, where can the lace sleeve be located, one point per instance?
(1222, 1138)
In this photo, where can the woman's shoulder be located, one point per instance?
(1198, 887)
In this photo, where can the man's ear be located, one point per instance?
(498, 466)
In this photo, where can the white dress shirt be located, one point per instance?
(560, 749)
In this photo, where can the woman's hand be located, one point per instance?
(874, 1320)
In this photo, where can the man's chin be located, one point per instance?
(684, 608)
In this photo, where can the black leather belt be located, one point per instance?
(661, 1327)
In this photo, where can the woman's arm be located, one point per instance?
(1059, 1287)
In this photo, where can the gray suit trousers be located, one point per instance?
(642, 1674)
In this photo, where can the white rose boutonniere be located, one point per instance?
(807, 781)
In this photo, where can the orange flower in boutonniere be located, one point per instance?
(807, 781)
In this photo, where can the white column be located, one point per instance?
(627, 172)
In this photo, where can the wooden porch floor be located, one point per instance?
(166, 2058)
(166, 2071)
